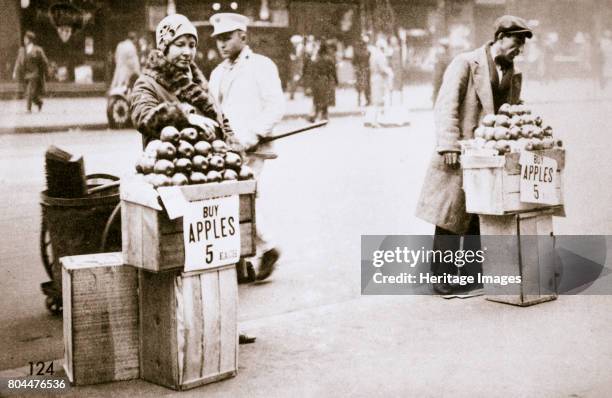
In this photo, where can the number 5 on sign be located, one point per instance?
(538, 179)
(211, 233)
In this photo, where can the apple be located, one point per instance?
(536, 143)
(559, 143)
(189, 134)
(501, 133)
(504, 110)
(537, 132)
(166, 151)
(538, 121)
(164, 166)
(170, 134)
(548, 143)
(180, 179)
(245, 173)
(515, 132)
(198, 178)
(214, 176)
(479, 132)
(233, 160)
(183, 165)
(488, 120)
(203, 148)
(185, 149)
(548, 131)
(200, 163)
(479, 142)
(516, 121)
(489, 133)
(526, 131)
(502, 120)
(152, 147)
(230, 175)
(216, 162)
(147, 164)
(219, 146)
(502, 146)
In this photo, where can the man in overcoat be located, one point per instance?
(475, 83)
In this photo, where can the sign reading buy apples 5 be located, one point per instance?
(537, 178)
(211, 233)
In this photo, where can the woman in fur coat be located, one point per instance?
(171, 86)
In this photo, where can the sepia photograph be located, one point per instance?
(306, 198)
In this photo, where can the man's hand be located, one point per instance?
(451, 159)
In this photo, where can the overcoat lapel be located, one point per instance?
(482, 81)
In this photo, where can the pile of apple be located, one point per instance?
(189, 156)
(513, 129)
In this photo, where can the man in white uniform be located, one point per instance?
(248, 88)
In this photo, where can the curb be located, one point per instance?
(60, 128)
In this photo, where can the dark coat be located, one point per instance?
(159, 96)
(464, 98)
(325, 80)
(32, 66)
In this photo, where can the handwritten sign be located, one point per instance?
(211, 233)
(538, 179)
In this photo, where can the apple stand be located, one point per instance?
(518, 236)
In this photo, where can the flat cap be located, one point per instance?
(228, 22)
(512, 25)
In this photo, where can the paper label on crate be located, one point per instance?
(538, 179)
(211, 232)
(174, 201)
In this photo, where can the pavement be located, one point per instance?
(89, 113)
(316, 334)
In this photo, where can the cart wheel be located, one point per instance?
(118, 112)
(46, 251)
(114, 218)
(54, 305)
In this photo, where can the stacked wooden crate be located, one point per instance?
(138, 314)
(518, 235)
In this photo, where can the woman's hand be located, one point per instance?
(206, 124)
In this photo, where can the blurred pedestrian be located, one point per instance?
(361, 63)
(380, 79)
(474, 84)
(31, 70)
(396, 64)
(248, 88)
(597, 64)
(127, 62)
(325, 80)
(296, 64)
(441, 63)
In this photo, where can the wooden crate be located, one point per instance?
(492, 183)
(154, 242)
(528, 251)
(188, 327)
(100, 318)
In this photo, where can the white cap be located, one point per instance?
(171, 28)
(228, 22)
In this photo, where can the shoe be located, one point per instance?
(246, 339)
(268, 262)
(39, 105)
(245, 272)
(443, 289)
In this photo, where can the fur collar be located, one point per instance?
(193, 91)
